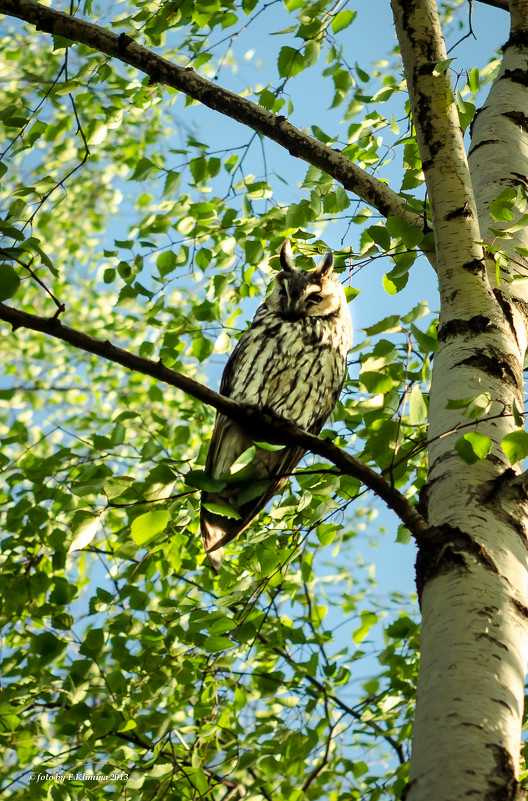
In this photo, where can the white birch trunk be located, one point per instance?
(472, 569)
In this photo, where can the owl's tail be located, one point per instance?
(216, 532)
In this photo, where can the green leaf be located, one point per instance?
(501, 208)
(147, 526)
(466, 111)
(267, 447)
(61, 42)
(93, 643)
(243, 460)
(326, 533)
(311, 52)
(222, 508)
(251, 490)
(428, 343)
(404, 535)
(420, 310)
(417, 406)
(368, 619)
(380, 236)
(472, 447)
(172, 182)
(351, 293)
(517, 416)
(342, 20)
(290, 62)
(375, 383)
(399, 228)
(442, 66)
(166, 262)
(395, 281)
(48, 646)
(117, 485)
(385, 326)
(85, 528)
(9, 282)
(474, 407)
(473, 80)
(216, 643)
(515, 446)
(9, 720)
(202, 348)
(200, 480)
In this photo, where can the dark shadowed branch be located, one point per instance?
(262, 425)
(504, 4)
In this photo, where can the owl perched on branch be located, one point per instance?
(292, 361)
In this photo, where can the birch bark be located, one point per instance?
(472, 571)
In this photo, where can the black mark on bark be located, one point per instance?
(468, 328)
(483, 144)
(506, 308)
(474, 266)
(517, 39)
(518, 118)
(495, 364)
(445, 549)
(502, 784)
(517, 76)
(463, 211)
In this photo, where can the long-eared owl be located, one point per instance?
(292, 360)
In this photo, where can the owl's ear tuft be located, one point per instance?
(325, 266)
(286, 257)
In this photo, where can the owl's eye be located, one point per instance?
(314, 299)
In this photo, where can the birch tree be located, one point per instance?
(130, 248)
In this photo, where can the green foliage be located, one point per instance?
(472, 447)
(9, 281)
(515, 446)
(123, 655)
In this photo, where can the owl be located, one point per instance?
(291, 360)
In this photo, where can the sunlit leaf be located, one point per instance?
(472, 446)
(84, 531)
(148, 525)
(342, 20)
(515, 446)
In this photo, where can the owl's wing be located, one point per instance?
(273, 470)
(229, 440)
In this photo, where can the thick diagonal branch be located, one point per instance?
(263, 425)
(502, 4)
(186, 80)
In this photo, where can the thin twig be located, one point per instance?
(60, 306)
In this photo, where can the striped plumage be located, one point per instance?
(292, 360)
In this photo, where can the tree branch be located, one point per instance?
(262, 425)
(186, 80)
(503, 4)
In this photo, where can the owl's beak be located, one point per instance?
(290, 310)
(291, 315)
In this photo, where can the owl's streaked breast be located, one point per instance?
(293, 367)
